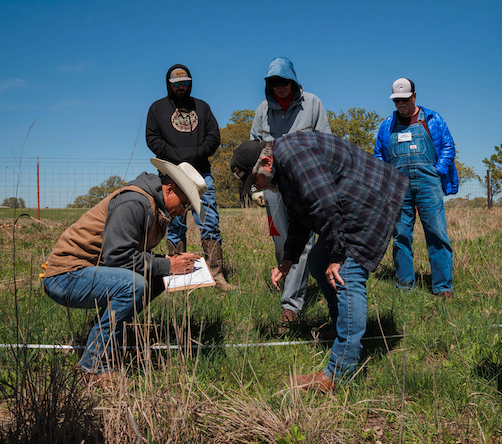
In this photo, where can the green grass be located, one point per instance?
(446, 354)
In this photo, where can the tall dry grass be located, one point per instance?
(191, 395)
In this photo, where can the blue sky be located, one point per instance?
(87, 72)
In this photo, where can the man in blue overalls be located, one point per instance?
(418, 143)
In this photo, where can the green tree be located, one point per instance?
(493, 186)
(232, 135)
(14, 202)
(98, 193)
(465, 173)
(478, 202)
(357, 126)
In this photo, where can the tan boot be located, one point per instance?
(214, 258)
(316, 381)
(104, 380)
(180, 248)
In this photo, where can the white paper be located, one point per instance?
(200, 277)
(404, 137)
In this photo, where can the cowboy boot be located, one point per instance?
(214, 258)
(317, 381)
(180, 248)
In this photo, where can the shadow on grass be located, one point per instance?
(491, 372)
(387, 273)
(317, 326)
(213, 332)
(314, 323)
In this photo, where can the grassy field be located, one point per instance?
(430, 372)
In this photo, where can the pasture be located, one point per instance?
(431, 371)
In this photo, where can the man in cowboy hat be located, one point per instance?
(105, 260)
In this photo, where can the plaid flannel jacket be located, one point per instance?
(339, 191)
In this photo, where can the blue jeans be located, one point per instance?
(425, 194)
(296, 282)
(347, 308)
(415, 157)
(118, 292)
(209, 228)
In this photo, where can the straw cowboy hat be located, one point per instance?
(188, 179)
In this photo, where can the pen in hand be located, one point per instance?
(182, 263)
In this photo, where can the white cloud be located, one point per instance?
(67, 104)
(8, 84)
(74, 67)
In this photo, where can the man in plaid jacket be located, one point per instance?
(351, 200)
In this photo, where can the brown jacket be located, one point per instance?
(80, 245)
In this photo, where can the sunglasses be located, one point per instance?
(184, 83)
(274, 83)
(401, 100)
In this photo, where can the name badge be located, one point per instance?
(404, 137)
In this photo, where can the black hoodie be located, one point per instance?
(182, 130)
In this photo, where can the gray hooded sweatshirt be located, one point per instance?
(305, 112)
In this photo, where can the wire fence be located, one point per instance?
(61, 181)
(58, 182)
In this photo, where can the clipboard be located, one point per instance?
(200, 277)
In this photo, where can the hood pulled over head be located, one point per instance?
(280, 67)
(183, 77)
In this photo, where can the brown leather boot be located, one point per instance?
(317, 381)
(287, 317)
(214, 257)
(180, 248)
(103, 380)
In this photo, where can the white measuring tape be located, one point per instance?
(176, 347)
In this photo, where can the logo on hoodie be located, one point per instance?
(184, 120)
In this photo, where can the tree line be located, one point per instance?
(356, 125)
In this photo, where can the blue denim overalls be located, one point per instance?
(412, 152)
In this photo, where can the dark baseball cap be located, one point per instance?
(244, 159)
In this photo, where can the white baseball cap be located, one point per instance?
(187, 178)
(402, 89)
(178, 75)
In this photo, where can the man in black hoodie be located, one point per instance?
(181, 128)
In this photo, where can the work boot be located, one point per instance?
(214, 258)
(287, 317)
(316, 381)
(103, 380)
(180, 248)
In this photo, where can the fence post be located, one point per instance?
(488, 189)
(38, 188)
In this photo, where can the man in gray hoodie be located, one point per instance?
(287, 109)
